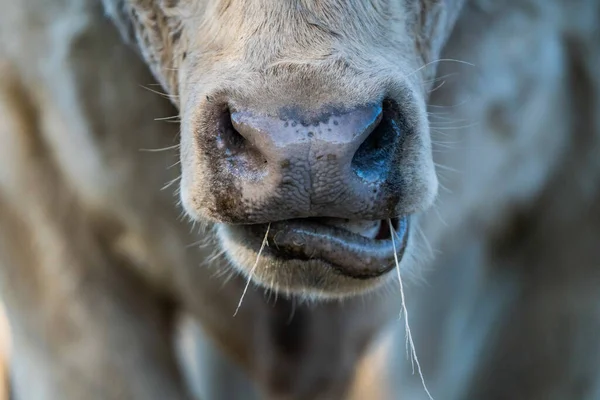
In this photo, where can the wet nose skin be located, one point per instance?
(293, 165)
(313, 155)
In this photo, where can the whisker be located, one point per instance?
(175, 146)
(214, 257)
(262, 246)
(471, 125)
(437, 61)
(447, 143)
(443, 187)
(436, 209)
(161, 94)
(292, 312)
(176, 117)
(197, 243)
(425, 241)
(437, 87)
(446, 168)
(174, 164)
(439, 78)
(462, 103)
(170, 183)
(409, 339)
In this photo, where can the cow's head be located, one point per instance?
(303, 118)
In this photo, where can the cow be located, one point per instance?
(238, 198)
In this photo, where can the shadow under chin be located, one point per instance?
(310, 279)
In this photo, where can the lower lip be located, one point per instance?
(348, 253)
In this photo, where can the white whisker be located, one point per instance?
(409, 339)
(437, 61)
(175, 146)
(172, 117)
(446, 168)
(437, 87)
(170, 183)
(162, 94)
(425, 241)
(466, 126)
(174, 164)
(262, 246)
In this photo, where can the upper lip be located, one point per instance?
(349, 253)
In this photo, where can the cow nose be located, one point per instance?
(294, 134)
(319, 164)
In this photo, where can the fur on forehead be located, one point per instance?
(369, 43)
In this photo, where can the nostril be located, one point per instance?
(371, 160)
(240, 153)
(228, 139)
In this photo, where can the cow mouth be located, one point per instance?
(357, 249)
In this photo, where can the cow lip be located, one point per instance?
(349, 253)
